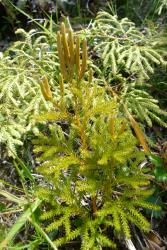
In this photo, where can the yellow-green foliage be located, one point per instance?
(122, 45)
(122, 50)
(125, 50)
(143, 105)
(21, 67)
(89, 158)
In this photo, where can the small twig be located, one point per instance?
(165, 242)
(11, 211)
(94, 205)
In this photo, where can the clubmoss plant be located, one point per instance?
(21, 67)
(127, 57)
(89, 158)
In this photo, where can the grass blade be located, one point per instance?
(45, 236)
(19, 223)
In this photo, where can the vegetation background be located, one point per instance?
(83, 124)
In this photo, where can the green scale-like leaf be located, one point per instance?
(121, 44)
